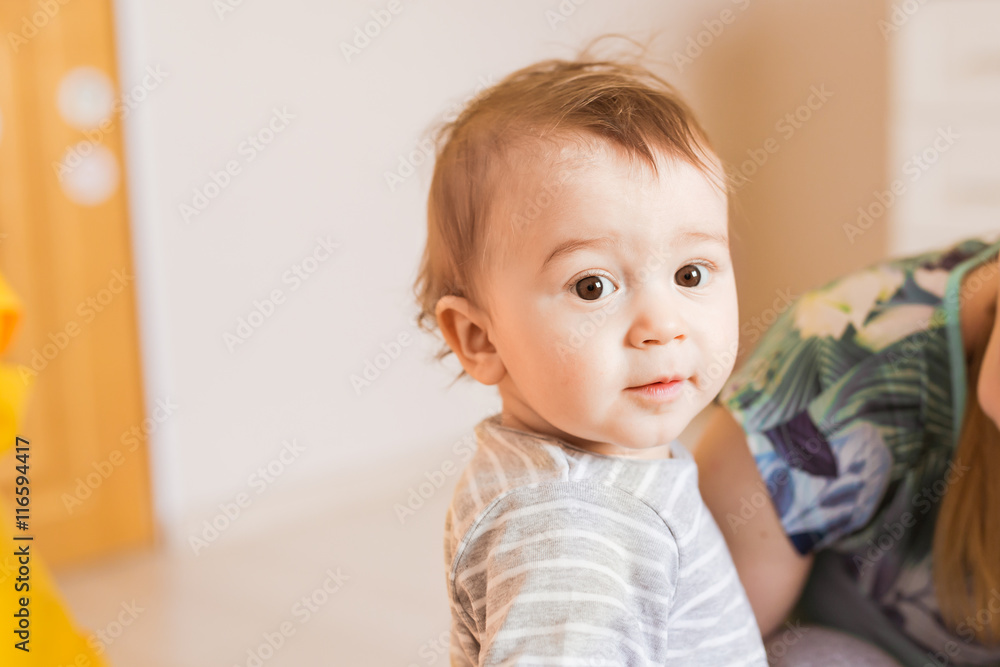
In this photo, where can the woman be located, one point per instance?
(858, 442)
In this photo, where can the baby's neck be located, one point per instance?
(509, 420)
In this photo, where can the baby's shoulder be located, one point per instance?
(518, 482)
(571, 508)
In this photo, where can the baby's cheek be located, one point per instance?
(576, 360)
(569, 340)
(720, 355)
(566, 363)
(729, 329)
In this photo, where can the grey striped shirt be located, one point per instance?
(558, 556)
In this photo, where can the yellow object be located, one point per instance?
(52, 639)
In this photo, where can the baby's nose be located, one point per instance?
(658, 322)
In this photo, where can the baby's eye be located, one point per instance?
(691, 275)
(593, 288)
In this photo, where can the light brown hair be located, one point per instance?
(525, 116)
(966, 548)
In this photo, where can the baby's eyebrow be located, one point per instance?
(712, 237)
(572, 245)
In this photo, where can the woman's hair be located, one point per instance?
(539, 107)
(966, 551)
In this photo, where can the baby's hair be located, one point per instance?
(615, 101)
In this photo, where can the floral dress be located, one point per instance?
(852, 405)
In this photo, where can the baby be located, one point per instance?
(578, 258)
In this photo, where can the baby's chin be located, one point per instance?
(641, 443)
(620, 449)
(659, 451)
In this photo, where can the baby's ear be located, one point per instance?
(466, 329)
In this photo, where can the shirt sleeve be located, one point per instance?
(566, 570)
(827, 417)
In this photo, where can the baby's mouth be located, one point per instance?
(659, 391)
(667, 380)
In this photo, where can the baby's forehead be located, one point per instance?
(535, 186)
(538, 162)
(564, 151)
(535, 180)
(536, 177)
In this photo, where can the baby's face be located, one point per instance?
(621, 279)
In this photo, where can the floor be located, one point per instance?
(326, 580)
(323, 575)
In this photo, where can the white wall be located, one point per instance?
(324, 175)
(945, 126)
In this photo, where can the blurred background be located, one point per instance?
(212, 213)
